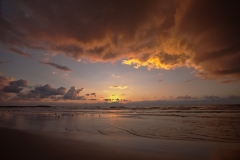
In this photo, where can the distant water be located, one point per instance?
(219, 123)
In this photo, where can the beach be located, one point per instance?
(16, 144)
(27, 145)
(119, 80)
(76, 133)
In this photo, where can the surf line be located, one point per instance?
(133, 133)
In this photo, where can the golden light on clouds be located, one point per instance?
(160, 60)
(150, 63)
(155, 34)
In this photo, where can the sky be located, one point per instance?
(119, 52)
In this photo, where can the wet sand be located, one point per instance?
(33, 145)
(58, 133)
(18, 144)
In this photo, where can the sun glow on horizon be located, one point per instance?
(115, 98)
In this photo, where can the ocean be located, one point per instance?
(216, 123)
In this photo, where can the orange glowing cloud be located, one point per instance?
(158, 61)
(155, 34)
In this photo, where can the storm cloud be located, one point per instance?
(162, 34)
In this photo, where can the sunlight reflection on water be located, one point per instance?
(202, 123)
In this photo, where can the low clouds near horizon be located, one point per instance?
(184, 97)
(11, 89)
(161, 34)
(19, 90)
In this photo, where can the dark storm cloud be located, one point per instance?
(98, 50)
(172, 59)
(17, 51)
(71, 50)
(98, 27)
(161, 34)
(64, 68)
(213, 27)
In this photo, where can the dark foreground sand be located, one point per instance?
(29, 145)
(18, 144)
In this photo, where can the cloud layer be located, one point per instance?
(15, 86)
(4, 82)
(156, 34)
(11, 89)
(40, 92)
(184, 97)
(73, 94)
(14, 50)
(19, 90)
(64, 68)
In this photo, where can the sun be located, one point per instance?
(114, 97)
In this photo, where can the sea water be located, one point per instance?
(219, 123)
